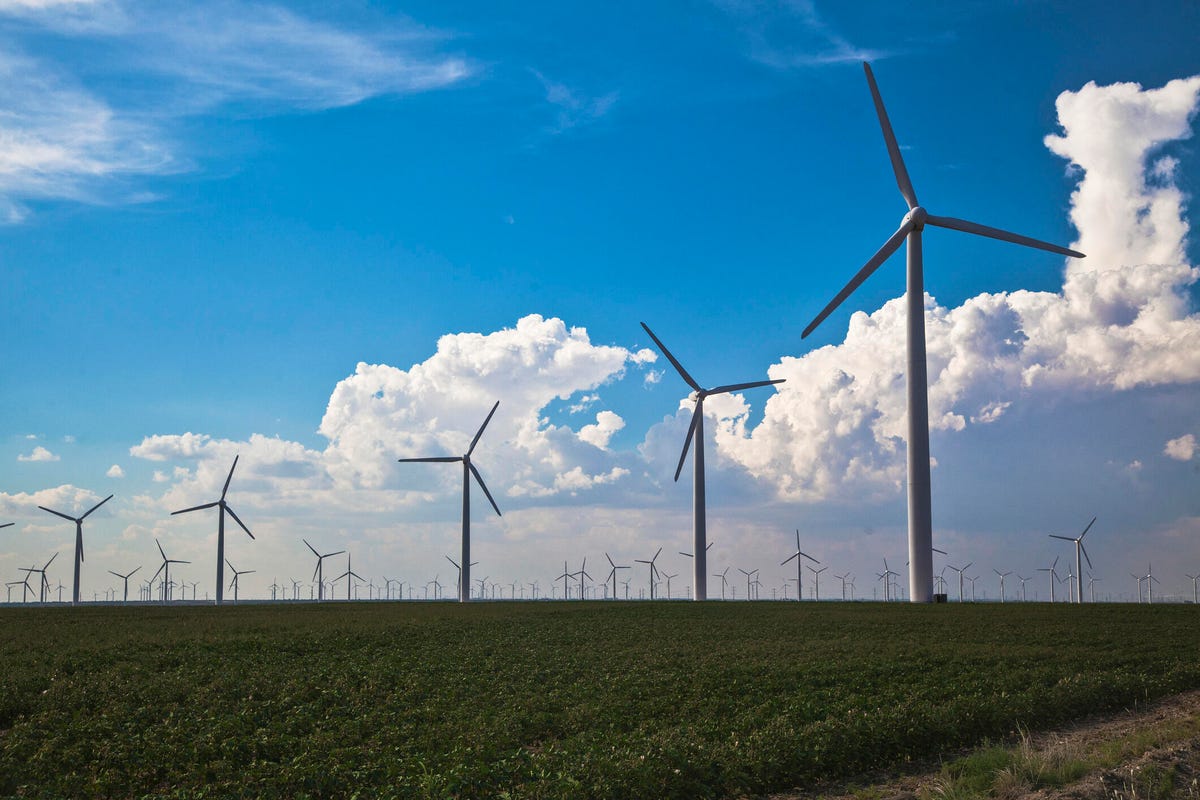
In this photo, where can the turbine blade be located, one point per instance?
(1056, 536)
(881, 255)
(995, 233)
(49, 562)
(314, 577)
(1088, 528)
(56, 513)
(310, 547)
(93, 508)
(196, 508)
(683, 373)
(889, 138)
(160, 569)
(238, 521)
(610, 562)
(482, 485)
(434, 460)
(789, 558)
(130, 575)
(1083, 550)
(479, 433)
(160, 550)
(228, 479)
(687, 441)
(737, 387)
(452, 561)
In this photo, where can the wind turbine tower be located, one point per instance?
(464, 583)
(799, 566)
(920, 513)
(319, 572)
(696, 431)
(78, 541)
(224, 509)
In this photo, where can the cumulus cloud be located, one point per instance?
(1181, 449)
(607, 423)
(115, 471)
(1123, 319)
(39, 454)
(65, 498)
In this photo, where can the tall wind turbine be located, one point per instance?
(224, 508)
(126, 579)
(612, 574)
(464, 583)
(349, 575)
(1054, 575)
(78, 541)
(165, 569)
(696, 430)
(920, 514)
(653, 569)
(799, 566)
(1002, 576)
(1078, 549)
(724, 580)
(319, 572)
(233, 584)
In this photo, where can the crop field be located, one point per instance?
(548, 699)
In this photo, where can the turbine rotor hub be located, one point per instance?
(917, 217)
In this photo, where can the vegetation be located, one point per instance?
(548, 699)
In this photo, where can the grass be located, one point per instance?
(545, 700)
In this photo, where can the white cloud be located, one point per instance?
(65, 498)
(115, 471)
(607, 423)
(39, 454)
(1123, 319)
(59, 140)
(573, 107)
(791, 33)
(69, 439)
(1181, 449)
(163, 447)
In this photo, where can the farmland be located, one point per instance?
(548, 699)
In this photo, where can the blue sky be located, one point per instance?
(213, 216)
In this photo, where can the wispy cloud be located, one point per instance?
(574, 108)
(112, 79)
(787, 34)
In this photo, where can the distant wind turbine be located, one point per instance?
(799, 566)
(349, 575)
(612, 574)
(1053, 576)
(319, 572)
(224, 509)
(1002, 575)
(78, 541)
(165, 570)
(724, 580)
(1079, 548)
(237, 573)
(653, 569)
(464, 583)
(126, 579)
(696, 431)
(920, 514)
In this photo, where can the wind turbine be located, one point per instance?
(233, 584)
(1195, 593)
(1078, 549)
(843, 578)
(126, 579)
(669, 576)
(724, 580)
(920, 515)
(319, 572)
(886, 577)
(612, 574)
(78, 541)
(1150, 581)
(696, 430)
(44, 584)
(1002, 574)
(1054, 576)
(817, 582)
(654, 569)
(165, 569)
(349, 575)
(749, 577)
(1022, 580)
(799, 566)
(224, 508)
(583, 576)
(459, 584)
(1092, 586)
(464, 583)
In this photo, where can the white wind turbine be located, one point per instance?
(78, 541)
(1195, 591)
(799, 566)
(1054, 576)
(224, 509)
(350, 575)
(612, 574)
(1079, 548)
(319, 572)
(1022, 580)
(724, 580)
(960, 572)
(653, 569)
(464, 583)
(165, 569)
(1002, 575)
(817, 581)
(843, 578)
(696, 431)
(920, 515)
(237, 573)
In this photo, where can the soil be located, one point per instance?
(1138, 777)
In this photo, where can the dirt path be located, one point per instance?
(1151, 752)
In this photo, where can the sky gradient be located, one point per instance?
(324, 237)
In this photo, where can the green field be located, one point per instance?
(595, 699)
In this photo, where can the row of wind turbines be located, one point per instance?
(920, 524)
